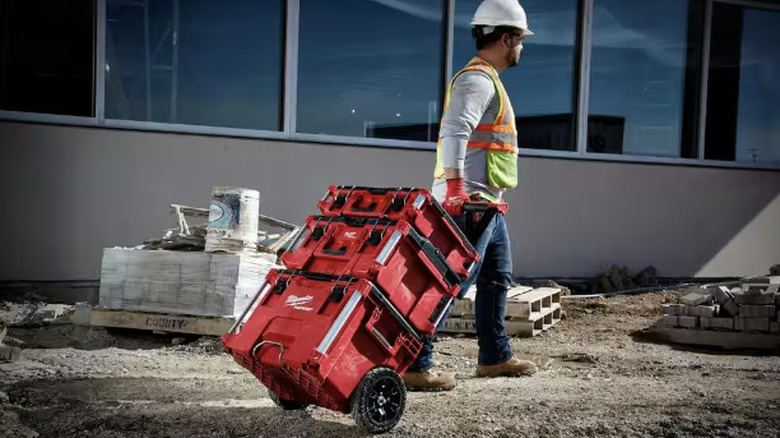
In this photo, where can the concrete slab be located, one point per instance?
(697, 298)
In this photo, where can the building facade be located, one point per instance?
(649, 129)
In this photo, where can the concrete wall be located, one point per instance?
(67, 192)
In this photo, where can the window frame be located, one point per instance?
(291, 15)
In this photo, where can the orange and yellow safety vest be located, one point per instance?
(498, 139)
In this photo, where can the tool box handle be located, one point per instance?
(260, 344)
(377, 295)
(481, 207)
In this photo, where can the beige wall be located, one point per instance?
(70, 191)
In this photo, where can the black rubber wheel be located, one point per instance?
(287, 405)
(379, 400)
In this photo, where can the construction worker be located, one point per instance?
(476, 156)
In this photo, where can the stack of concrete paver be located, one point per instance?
(529, 311)
(747, 306)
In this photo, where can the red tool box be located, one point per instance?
(413, 274)
(336, 342)
(414, 205)
(367, 279)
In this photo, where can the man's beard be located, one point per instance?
(513, 60)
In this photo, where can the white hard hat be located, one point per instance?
(501, 13)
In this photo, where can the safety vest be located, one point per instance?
(498, 139)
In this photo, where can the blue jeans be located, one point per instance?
(493, 275)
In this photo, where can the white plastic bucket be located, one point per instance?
(233, 215)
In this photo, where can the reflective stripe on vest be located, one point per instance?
(498, 140)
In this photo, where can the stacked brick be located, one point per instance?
(752, 306)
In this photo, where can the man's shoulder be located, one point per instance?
(474, 79)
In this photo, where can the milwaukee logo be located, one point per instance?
(300, 303)
(351, 234)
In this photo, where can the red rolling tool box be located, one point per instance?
(413, 274)
(414, 205)
(336, 342)
(364, 282)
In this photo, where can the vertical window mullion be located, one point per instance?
(290, 98)
(583, 88)
(449, 44)
(100, 61)
(705, 75)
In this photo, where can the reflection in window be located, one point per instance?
(201, 62)
(638, 76)
(541, 86)
(370, 68)
(743, 111)
(46, 56)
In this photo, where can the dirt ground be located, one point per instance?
(599, 378)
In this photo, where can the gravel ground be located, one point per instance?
(598, 377)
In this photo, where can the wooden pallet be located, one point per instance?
(529, 312)
(160, 322)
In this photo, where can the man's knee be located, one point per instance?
(496, 281)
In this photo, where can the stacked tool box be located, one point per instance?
(365, 280)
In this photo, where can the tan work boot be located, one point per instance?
(511, 367)
(429, 380)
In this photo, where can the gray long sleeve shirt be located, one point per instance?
(473, 101)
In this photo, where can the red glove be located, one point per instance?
(456, 196)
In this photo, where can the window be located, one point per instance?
(541, 87)
(370, 68)
(46, 56)
(642, 53)
(743, 100)
(199, 62)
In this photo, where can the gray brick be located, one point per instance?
(673, 309)
(697, 298)
(688, 321)
(729, 308)
(668, 321)
(756, 299)
(705, 311)
(722, 323)
(751, 324)
(751, 311)
(721, 294)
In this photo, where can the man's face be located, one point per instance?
(514, 44)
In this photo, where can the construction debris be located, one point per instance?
(529, 312)
(192, 229)
(620, 278)
(747, 308)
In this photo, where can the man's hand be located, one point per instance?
(456, 196)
